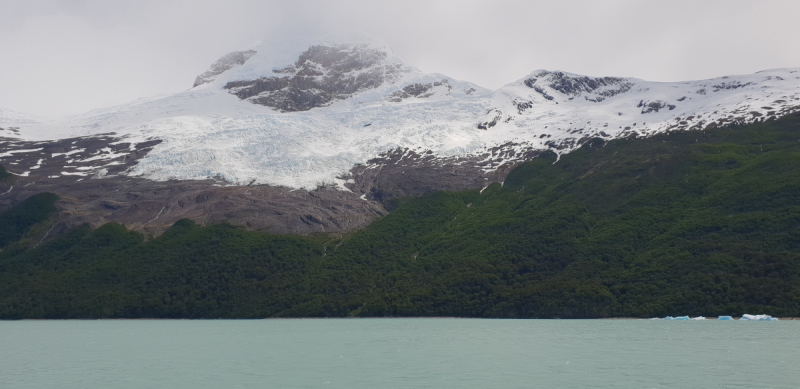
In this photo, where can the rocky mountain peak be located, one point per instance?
(321, 75)
(340, 58)
(227, 62)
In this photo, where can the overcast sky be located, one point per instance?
(70, 56)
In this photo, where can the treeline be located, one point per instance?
(685, 223)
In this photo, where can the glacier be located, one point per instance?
(208, 131)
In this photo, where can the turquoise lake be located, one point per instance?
(399, 353)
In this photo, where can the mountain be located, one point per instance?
(699, 223)
(321, 137)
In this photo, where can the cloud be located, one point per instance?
(64, 57)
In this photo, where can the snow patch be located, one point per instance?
(68, 153)
(12, 152)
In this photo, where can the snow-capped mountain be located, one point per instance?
(295, 124)
(355, 117)
(559, 111)
(307, 118)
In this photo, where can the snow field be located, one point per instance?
(208, 132)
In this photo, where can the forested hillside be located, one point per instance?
(682, 223)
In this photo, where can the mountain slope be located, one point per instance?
(349, 123)
(11, 121)
(680, 223)
(300, 121)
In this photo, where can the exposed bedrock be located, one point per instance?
(405, 172)
(153, 206)
(321, 75)
(574, 85)
(227, 62)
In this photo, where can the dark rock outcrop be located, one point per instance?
(575, 85)
(654, 106)
(498, 114)
(321, 75)
(406, 172)
(417, 90)
(222, 65)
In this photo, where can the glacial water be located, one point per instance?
(399, 353)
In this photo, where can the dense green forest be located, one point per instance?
(683, 223)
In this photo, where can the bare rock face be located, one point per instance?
(222, 65)
(321, 75)
(417, 90)
(405, 172)
(153, 206)
(654, 106)
(71, 159)
(573, 86)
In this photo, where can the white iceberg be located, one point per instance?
(699, 318)
(677, 318)
(747, 317)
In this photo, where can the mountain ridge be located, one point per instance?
(686, 223)
(331, 116)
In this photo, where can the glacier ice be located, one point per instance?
(208, 132)
(744, 317)
(677, 318)
(747, 317)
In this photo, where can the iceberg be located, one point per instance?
(747, 317)
(677, 318)
(724, 318)
(699, 318)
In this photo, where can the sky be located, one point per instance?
(70, 56)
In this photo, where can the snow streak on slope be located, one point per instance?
(339, 118)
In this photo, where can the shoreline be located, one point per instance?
(709, 318)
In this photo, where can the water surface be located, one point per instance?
(398, 353)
